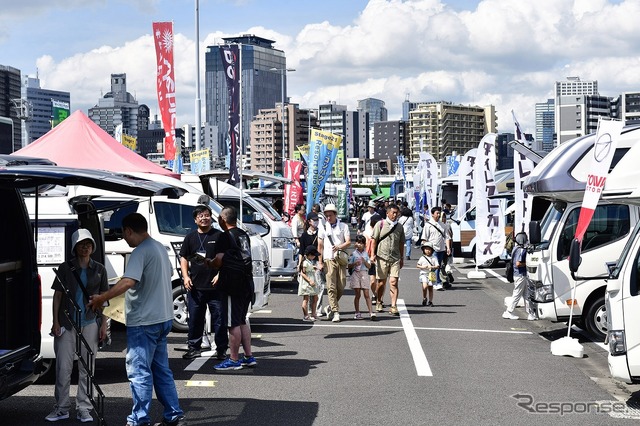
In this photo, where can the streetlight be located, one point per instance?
(282, 72)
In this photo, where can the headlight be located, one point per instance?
(282, 242)
(542, 293)
(616, 342)
(258, 269)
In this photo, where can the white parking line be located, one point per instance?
(419, 358)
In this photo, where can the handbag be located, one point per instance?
(432, 276)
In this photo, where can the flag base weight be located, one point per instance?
(567, 346)
(476, 275)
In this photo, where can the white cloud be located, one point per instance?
(504, 52)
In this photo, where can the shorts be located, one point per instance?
(237, 309)
(372, 270)
(424, 279)
(359, 279)
(385, 269)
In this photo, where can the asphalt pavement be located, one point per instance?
(457, 362)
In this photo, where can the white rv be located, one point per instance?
(621, 270)
(561, 178)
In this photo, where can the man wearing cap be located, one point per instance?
(333, 236)
(388, 255)
(366, 216)
(80, 270)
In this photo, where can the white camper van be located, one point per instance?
(560, 177)
(270, 227)
(622, 273)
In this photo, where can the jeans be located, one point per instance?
(440, 255)
(147, 363)
(198, 301)
(407, 247)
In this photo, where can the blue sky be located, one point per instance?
(501, 52)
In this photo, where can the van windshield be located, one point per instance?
(551, 218)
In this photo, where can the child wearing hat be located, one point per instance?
(427, 264)
(307, 286)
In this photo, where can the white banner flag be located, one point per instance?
(522, 167)
(490, 236)
(466, 183)
(429, 174)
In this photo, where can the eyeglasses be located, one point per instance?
(203, 216)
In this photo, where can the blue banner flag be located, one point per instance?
(323, 148)
(401, 164)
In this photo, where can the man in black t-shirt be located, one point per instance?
(197, 245)
(237, 304)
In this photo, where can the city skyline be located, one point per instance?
(507, 54)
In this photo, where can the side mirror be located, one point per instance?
(534, 232)
(574, 256)
(257, 217)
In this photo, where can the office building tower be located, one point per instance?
(375, 108)
(545, 125)
(389, 139)
(570, 118)
(41, 102)
(12, 110)
(263, 77)
(627, 107)
(443, 127)
(115, 107)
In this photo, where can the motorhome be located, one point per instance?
(276, 233)
(560, 178)
(622, 274)
(25, 263)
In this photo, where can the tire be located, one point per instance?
(180, 314)
(595, 319)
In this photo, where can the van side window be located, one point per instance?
(113, 218)
(634, 284)
(247, 210)
(609, 223)
(174, 219)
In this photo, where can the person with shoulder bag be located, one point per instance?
(520, 280)
(333, 240)
(388, 255)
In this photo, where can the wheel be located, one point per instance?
(595, 319)
(180, 315)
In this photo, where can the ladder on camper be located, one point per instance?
(96, 401)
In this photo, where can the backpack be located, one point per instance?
(235, 277)
(508, 270)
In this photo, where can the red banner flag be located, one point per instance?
(166, 85)
(292, 191)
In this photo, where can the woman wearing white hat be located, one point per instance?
(83, 271)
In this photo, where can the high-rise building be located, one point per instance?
(627, 107)
(266, 136)
(570, 103)
(443, 127)
(375, 108)
(545, 125)
(389, 139)
(41, 103)
(263, 77)
(11, 109)
(115, 107)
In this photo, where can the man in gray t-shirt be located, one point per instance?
(149, 316)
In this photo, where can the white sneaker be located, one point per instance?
(84, 416)
(57, 414)
(336, 317)
(509, 315)
(532, 317)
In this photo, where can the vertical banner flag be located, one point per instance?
(602, 153)
(166, 85)
(430, 179)
(323, 148)
(293, 190)
(490, 236)
(341, 203)
(59, 112)
(402, 171)
(466, 183)
(230, 57)
(453, 162)
(117, 133)
(522, 167)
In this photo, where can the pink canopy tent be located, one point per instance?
(79, 142)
